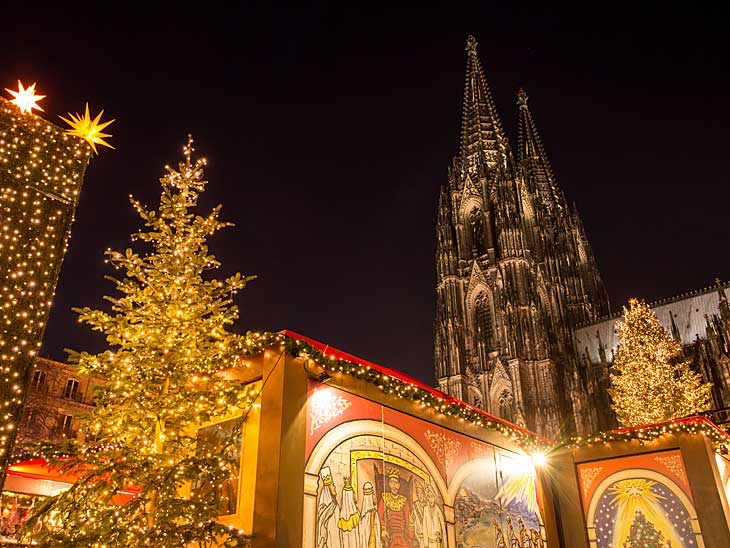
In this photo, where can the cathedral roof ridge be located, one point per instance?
(661, 302)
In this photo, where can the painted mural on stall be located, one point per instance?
(639, 501)
(494, 510)
(370, 497)
(378, 478)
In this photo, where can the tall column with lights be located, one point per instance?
(42, 168)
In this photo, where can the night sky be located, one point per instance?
(329, 129)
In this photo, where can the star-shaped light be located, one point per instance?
(25, 98)
(88, 129)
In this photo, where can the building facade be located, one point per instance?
(515, 275)
(57, 398)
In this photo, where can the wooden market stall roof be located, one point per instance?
(431, 394)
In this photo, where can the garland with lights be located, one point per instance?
(257, 342)
(651, 432)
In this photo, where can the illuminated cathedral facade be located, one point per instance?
(515, 276)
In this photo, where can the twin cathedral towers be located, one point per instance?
(515, 275)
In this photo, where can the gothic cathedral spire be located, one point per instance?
(532, 158)
(514, 275)
(482, 136)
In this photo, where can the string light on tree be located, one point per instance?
(650, 383)
(168, 346)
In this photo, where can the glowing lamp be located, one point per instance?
(539, 459)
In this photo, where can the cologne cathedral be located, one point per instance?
(515, 276)
(523, 328)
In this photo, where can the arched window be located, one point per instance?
(505, 406)
(483, 321)
(476, 230)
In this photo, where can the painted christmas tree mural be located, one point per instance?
(643, 534)
(642, 513)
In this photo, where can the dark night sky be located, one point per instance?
(329, 130)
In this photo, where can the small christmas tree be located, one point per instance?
(650, 383)
(168, 343)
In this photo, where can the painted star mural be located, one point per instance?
(642, 513)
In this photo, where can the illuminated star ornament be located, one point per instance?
(88, 129)
(25, 98)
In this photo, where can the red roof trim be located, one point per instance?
(38, 469)
(339, 354)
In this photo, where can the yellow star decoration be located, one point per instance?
(25, 98)
(88, 129)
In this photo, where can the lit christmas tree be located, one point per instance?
(168, 346)
(650, 383)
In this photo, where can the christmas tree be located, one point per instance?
(650, 383)
(643, 534)
(168, 345)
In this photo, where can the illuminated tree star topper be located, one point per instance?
(88, 129)
(25, 98)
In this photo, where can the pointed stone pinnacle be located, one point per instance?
(471, 43)
(522, 97)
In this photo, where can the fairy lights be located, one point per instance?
(399, 387)
(168, 420)
(41, 173)
(652, 432)
(650, 382)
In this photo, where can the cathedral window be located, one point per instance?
(483, 320)
(476, 226)
(505, 406)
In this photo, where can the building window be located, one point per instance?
(29, 417)
(66, 425)
(39, 378)
(72, 390)
(483, 320)
(476, 231)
